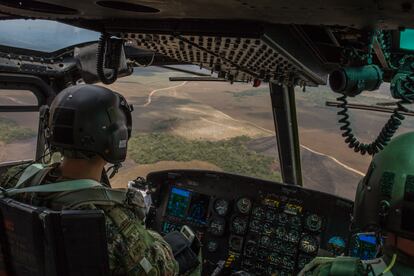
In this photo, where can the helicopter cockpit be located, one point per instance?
(251, 212)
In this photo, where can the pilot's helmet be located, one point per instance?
(90, 120)
(385, 196)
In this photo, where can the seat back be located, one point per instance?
(37, 241)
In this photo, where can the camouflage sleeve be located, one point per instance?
(9, 178)
(134, 250)
(319, 266)
(338, 266)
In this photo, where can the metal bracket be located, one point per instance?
(286, 126)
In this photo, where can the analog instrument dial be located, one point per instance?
(277, 245)
(268, 228)
(244, 205)
(265, 241)
(221, 206)
(256, 225)
(287, 262)
(270, 215)
(280, 232)
(212, 245)
(295, 222)
(217, 226)
(274, 258)
(282, 218)
(236, 243)
(308, 244)
(314, 222)
(293, 236)
(250, 249)
(258, 212)
(289, 248)
(239, 225)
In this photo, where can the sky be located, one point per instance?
(42, 35)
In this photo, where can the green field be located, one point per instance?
(11, 131)
(230, 155)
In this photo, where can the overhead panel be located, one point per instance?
(234, 58)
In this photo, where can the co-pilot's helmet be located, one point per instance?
(384, 199)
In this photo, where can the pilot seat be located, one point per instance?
(38, 241)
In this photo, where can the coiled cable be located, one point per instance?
(100, 67)
(382, 139)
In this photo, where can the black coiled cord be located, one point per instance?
(103, 41)
(383, 138)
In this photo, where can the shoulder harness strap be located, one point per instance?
(97, 195)
(71, 194)
(34, 170)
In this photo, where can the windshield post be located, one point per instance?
(286, 126)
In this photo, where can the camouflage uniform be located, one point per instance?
(133, 250)
(348, 266)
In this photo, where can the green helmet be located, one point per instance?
(385, 196)
(87, 120)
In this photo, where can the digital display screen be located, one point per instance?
(370, 239)
(407, 39)
(364, 246)
(198, 210)
(187, 205)
(178, 202)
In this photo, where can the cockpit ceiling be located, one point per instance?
(354, 13)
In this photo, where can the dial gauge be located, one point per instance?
(268, 228)
(280, 232)
(282, 218)
(270, 215)
(212, 245)
(244, 205)
(258, 212)
(308, 244)
(221, 206)
(265, 241)
(250, 249)
(217, 226)
(287, 262)
(239, 225)
(256, 225)
(235, 243)
(296, 222)
(274, 258)
(293, 236)
(314, 222)
(277, 245)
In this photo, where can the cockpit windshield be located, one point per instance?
(42, 35)
(207, 125)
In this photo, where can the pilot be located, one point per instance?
(384, 204)
(90, 126)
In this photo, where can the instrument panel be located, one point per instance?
(248, 224)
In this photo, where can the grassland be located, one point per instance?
(230, 155)
(10, 131)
